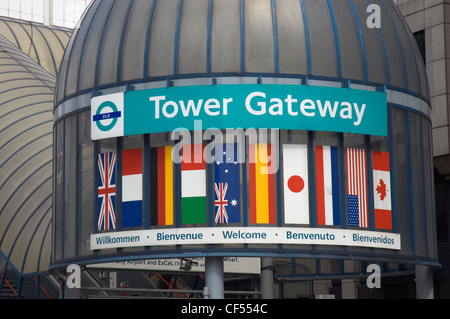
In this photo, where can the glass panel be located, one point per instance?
(70, 187)
(352, 61)
(393, 47)
(376, 58)
(162, 38)
(133, 46)
(417, 179)
(429, 189)
(291, 37)
(87, 208)
(259, 47)
(59, 191)
(110, 45)
(402, 178)
(405, 41)
(321, 33)
(70, 81)
(193, 34)
(225, 37)
(88, 63)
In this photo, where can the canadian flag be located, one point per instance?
(382, 190)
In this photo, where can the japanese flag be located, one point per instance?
(295, 175)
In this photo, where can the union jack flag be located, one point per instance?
(106, 191)
(221, 203)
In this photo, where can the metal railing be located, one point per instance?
(179, 292)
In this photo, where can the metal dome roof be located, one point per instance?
(130, 41)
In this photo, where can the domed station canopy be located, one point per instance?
(138, 45)
(130, 42)
(30, 54)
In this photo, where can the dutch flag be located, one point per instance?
(132, 188)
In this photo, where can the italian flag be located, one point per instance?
(193, 185)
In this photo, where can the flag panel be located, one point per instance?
(193, 210)
(132, 180)
(261, 184)
(193, 185)
(357, 202)
(327, 185)
(227, 186)
(106, 163)
(382, 190)
(161, 188)
(295, 179)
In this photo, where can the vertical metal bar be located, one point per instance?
(242, 35)
(391, 159)
(122, 35)
(147, 176)
(147, 39)
(366, 72)
(275, 36)
(370, 182)
(177, 38)
(307, 40)
(336, 37)
(208, 37)
(411, 190)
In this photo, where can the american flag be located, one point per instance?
(357, 187)
(106, 191)
(221, 203)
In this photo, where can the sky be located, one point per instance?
(65, 13)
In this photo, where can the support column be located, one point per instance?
(214, 277)
(424, 282)
(267, 278)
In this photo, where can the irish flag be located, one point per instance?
(193, 185)
(382, 190)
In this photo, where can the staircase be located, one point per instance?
(9, 289)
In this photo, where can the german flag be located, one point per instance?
(162, 193)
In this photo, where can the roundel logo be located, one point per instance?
(107, 116)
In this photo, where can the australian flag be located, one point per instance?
(106, 191)
(227, 184)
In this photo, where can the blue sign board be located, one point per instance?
(244, 106)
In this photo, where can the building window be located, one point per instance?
(420, 39)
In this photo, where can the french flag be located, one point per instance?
(132, 188)
(327, 185)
